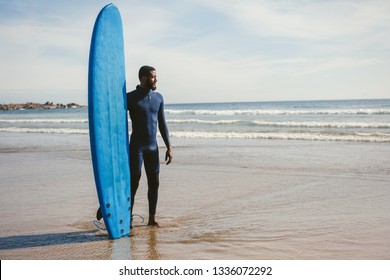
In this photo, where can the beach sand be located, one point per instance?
(219, 199)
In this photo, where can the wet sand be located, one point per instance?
(219, 199)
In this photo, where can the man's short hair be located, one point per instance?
(144, 71)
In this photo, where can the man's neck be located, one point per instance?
(144, 88)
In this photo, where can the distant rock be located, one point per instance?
(37, 106)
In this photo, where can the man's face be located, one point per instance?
(152, 80)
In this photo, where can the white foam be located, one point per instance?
(43, 121)
(324, 124)
(221, 122)
(196, 121)
(358, 137)
(279, 112)
(381, 125)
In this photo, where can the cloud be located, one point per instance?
(312, 20)
(285, 29)
(43, 52)
(210, 50)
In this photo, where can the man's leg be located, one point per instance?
(153, 184)
(136, 159)
(152, 168)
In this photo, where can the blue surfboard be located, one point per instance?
(108, 124)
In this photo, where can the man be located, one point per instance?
(146, 110)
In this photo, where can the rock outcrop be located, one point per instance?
(37, 106)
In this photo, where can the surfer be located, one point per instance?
(146, 110)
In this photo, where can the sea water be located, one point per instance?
(341, 120)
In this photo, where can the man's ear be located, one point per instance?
(144, 79)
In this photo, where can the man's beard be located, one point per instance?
(151, 86)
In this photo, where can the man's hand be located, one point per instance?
(168, 155)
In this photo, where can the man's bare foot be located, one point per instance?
(131, 222)
(99, 214)
(153, 224)
(152, 221)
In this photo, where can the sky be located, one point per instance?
(203, 50)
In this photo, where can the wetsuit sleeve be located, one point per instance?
(162, 125)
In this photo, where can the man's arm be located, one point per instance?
(162, 125)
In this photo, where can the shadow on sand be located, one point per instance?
(40, 240)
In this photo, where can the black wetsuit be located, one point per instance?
(146, 110)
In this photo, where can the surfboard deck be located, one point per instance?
(108, 124)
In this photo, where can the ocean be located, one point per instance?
(341, 120)
(248, 181)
